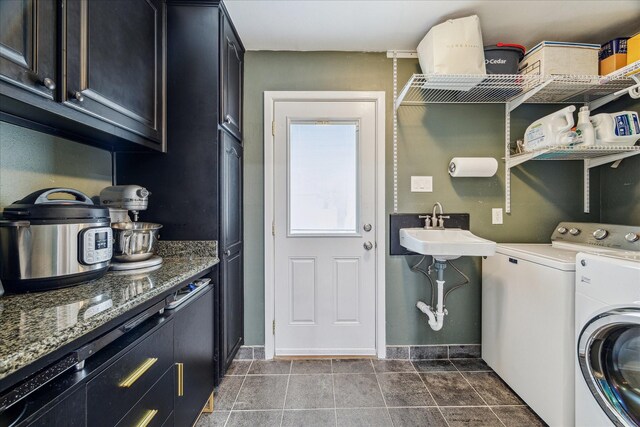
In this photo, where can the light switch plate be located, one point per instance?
(421, 184)
(496, 216)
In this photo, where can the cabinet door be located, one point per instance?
(69, 412)
(114, 63)
(233, 305)
(193, 348)
(231, 242)
(231, 73)
(27, 45)
(231, 194)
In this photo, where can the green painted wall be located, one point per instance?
(543, 193)
(31, 160)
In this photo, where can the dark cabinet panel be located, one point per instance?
(231, 194)
(129, 378)
(28, 45)
(114, 63)
(233, 304)
(69, 412)
(194, 353)
(231, 72)
(231, 242)
(155, 406)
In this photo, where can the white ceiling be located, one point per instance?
(381, 25)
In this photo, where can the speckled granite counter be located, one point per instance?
(33, 326)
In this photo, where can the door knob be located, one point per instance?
(48, 83)
(368, 245)
(366, 227)
(77, 95)
(227, 252)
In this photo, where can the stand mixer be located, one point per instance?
(133, 198)
(134, 242)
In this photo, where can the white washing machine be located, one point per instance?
(528, 313)
(608, 340)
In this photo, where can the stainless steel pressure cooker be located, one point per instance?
(49, 243)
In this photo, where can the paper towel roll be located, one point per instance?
(473, 167)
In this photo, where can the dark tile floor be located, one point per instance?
(366, 392)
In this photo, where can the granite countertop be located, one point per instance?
(35, 325)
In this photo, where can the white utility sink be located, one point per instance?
(444, 244)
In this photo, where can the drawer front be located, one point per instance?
(116, 390)
(155, 407)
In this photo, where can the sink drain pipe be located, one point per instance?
(436, 317)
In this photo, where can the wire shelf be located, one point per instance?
(575, 152)
(424, 89)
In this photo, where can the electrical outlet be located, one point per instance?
(421, 184)
(496, 216)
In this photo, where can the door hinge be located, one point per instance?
(273, 327)
(273, 229)
(273, 128)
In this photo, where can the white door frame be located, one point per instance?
(270, 98)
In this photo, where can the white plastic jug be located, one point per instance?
(554, 129)
(621, 128)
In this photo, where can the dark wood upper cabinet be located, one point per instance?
(231, 69)
(114, 63)
(28, 45)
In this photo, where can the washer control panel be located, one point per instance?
(97, 245)
(614, 236)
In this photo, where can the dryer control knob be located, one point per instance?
(631, 237)
(574, 231)
(600, 233)
(562, 230)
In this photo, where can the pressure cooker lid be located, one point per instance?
(41, 205)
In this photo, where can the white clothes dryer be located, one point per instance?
(607, 378)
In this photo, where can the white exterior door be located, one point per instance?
(324, 158)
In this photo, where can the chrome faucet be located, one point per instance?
(438, 221)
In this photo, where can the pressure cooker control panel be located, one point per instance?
(97, 245)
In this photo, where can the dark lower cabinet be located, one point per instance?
(71, 411)
(156, 405)
(231, 242)
(161, 373)
(28, 46)
(112, 393)
(194, 357)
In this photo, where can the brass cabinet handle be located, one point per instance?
(139, 371)
(148, 416)
(180, 368)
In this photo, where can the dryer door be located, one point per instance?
(609, 357)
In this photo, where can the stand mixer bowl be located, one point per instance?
(134, 241)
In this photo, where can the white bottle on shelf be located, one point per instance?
(584, 129)
(621, 128)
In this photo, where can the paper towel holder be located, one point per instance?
(488, 167)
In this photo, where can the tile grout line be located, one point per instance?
(237, 394)
(333, 388)
(432, 398)
(375, 373)
(481, 397)
(286, 390)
